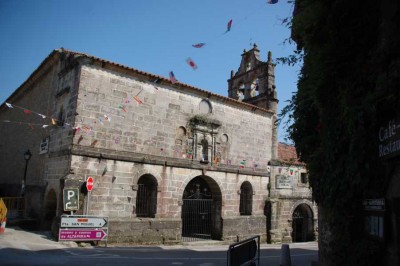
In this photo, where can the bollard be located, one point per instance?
(3, 226)
(285, 256)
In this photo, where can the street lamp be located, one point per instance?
(27, 156)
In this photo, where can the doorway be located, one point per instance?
(302, 224)
(201, 210)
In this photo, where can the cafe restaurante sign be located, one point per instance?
(389, 139)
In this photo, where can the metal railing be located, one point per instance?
(15, 207)
(196, 219)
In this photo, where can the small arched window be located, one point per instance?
(146, 199)
(246, 198)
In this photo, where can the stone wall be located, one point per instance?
(114, 120)
(289, 191)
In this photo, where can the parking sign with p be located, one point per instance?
(71, 199)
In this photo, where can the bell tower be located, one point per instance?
(254, 82)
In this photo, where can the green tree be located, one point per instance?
(349, 84)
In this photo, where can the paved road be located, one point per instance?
(18, 247)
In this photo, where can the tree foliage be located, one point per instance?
(346, 88)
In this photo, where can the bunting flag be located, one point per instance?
(198, 45)
(122, 107)
(272, 1)
(43, 116)
(172, 77)
(76, 131)
(137, 99)
(86, 128)
(94, 143)
(44, 126)
(31, 126)
(107, 118)
(291, 171)
(80, 139)
(157, 80)
(229, 26)
(191, 63)
(242, 164)
(9, 105)
(104, 171)
(53, 121)
(28, 112)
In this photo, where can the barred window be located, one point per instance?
(146, 199)
(246, 198)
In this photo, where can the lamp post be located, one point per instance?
(27, 156)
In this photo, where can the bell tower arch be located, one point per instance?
(254, 82)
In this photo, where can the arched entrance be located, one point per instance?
(302, 224)
(50, 209)
(201, 210)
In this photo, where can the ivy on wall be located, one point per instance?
(348, 85)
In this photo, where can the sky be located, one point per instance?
(155, 36)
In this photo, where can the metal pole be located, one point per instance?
(24, 180)
(88, 202)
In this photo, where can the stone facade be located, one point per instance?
(292, 212)
(155, 150)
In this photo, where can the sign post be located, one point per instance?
(82, 235)
(83, 228)
(89, 187)
(83, 222)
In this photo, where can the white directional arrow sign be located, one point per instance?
(83, 222)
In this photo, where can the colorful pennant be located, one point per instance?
(172, 77)
(137, 99)
(198, 45)
(229, 26)
(191, 63)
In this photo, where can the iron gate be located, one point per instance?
(196, 219)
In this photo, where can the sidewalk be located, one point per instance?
(15, 237)
(31, 240)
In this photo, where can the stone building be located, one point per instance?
(170, 162)
(291, 213)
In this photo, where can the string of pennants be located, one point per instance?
(87, 128)
(191, 62)
(53, 121)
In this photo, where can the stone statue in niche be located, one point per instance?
(204, 151)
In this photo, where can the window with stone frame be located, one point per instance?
(146, 198)
(304, 178)
(246, 198)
